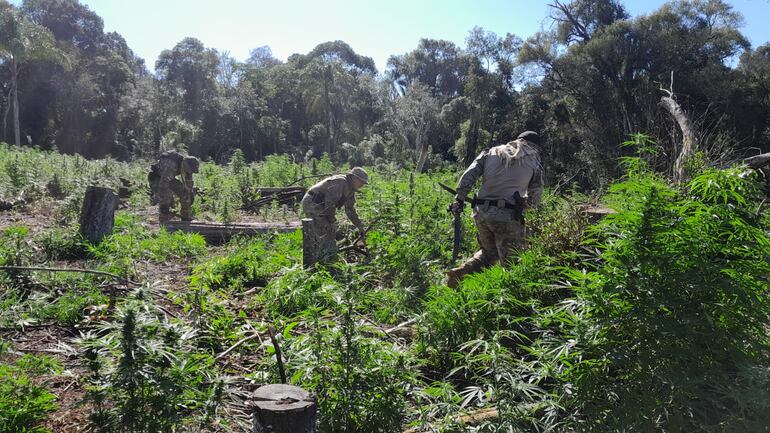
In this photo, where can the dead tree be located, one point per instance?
(689, 141)
(97, 217)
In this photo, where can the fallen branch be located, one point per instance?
(310, 177)
(235, 346)
(758, 161)
(84, 271)
(472, 419)
(402, 325)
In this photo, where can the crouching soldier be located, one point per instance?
(164, 184)
(512, 181)
(320, 204)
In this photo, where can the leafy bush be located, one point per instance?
(62, 244)
(298, 290)
(669, 328)
(360, 382)
(24, 404)
(252, 262)
(131, 242)
(485, 303)
(146, 376)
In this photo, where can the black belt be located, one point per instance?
(477, 202)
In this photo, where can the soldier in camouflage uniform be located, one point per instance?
(512, 181)
(320, 204)
(164, 184)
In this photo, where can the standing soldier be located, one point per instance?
(320, 204)
(164, 184)
(512, 181)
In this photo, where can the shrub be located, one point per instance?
(23, 404)
(360, 381)
(669, 328)
(146, 376)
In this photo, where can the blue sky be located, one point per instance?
(376, 29)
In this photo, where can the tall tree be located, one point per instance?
(438, 64)
(22, 41)
(187, 75)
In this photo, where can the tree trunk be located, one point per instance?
(284, 409)
(6, 110)
(97, 217)
(422, 158)
(15, 90)
(689, 142)
(422, 150)
(328, 82)
(471, 140)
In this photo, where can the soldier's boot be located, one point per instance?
(186, 215)
(475, 264)
(164, 214)
(453, 277)
(185, 211)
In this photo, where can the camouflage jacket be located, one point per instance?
(330, 194)
(506, 169)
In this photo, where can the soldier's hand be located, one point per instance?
(361, 232)
(457, 207)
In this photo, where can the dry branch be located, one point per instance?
(689, 141)
(238, 343)
(472, 419)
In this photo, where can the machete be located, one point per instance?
(458, 224)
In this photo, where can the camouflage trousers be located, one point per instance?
(499, 236)
(322, 234)
(168, 187)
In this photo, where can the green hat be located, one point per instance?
(360, 173)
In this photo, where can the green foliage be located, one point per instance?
(23, 403)
(251, 263)
(558, 225)
(131, 241)
(669, 328)
(360, 382)
(298, 290)
(146, 376)
(485, 303)
(62, 244)
(16, 250)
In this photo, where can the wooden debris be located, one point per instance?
(97, 216)
(218, 232)
(471, 419)
(283, 409)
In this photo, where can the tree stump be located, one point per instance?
(97, 217)
(308, 246)
(284, 409)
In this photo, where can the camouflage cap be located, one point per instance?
(530, 136)
(360, 173)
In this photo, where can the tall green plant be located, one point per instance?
(669, 328)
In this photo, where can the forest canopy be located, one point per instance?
(586, 85)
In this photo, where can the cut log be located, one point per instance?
(265, 196)
(97, 217)
(758, 161)
(283, 409)
(217, 232)
(594, 213)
